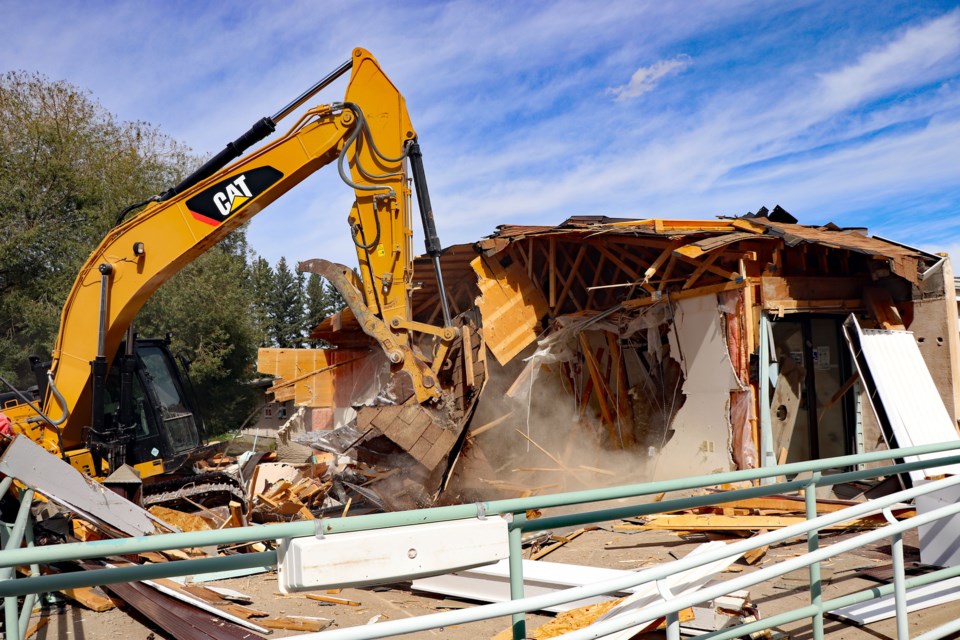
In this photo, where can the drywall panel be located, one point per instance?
(701, 428)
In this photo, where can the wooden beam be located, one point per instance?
(682, 295)
(603, 392)
(573, 273)
(596, 279)
(490, 425)
(729, 275)
(559, 541)
(332, 600)
(553, 274)
(609, 255)
(622, 397)
(852, 380)
(704, 265)
(671, 263)
(699, 522)
(746, 225)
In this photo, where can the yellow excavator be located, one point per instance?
(108, 398)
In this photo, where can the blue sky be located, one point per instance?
(530, 112)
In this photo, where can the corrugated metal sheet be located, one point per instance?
(902, 391)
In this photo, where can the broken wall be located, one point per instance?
(701, 431)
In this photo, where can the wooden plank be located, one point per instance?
(682, 295)
(559, 542)
(242, 611)
(609, 255)
(622, 397)
(332, 600)
(490, 425)
(467, 342)
(597, 274)
(801, 306)
(881, 306)
(36, 626)
(701, 522)
(599, 384)
(92, 598)
(671, 263)
(297, 623)
(511, 307)
(723, 273)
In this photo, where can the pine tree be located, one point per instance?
(261, 279)
(286, 309)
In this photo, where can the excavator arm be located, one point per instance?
(368, 136)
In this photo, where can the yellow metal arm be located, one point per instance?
(367, 133)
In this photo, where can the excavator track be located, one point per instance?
(208, 489)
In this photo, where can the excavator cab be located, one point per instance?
(151, 413)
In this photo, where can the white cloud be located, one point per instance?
(645, 79)
(918, 56)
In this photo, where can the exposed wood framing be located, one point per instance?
(553, 273)
(681, 295)
(601, 387)
(704, 265)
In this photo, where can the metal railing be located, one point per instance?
(13, 555)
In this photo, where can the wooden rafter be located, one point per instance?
(671, 263)
(552, 273)
(596, 279)
(704, 265)
(729, 275)
(616, 261)
(640, 264)
(570, 277)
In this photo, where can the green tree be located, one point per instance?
(67, 167)
(286, 306)
(261, 288)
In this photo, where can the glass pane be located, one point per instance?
(179, 423)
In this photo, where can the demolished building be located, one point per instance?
(637, 349)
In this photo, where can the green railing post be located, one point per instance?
(813, 543)
(10, 610)
(31, 598)
(519, 620)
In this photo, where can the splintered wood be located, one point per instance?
(288, 498)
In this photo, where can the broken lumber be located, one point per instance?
(297, 623)
(702, 522)
(332, 600)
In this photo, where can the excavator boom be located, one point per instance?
(368, 135)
